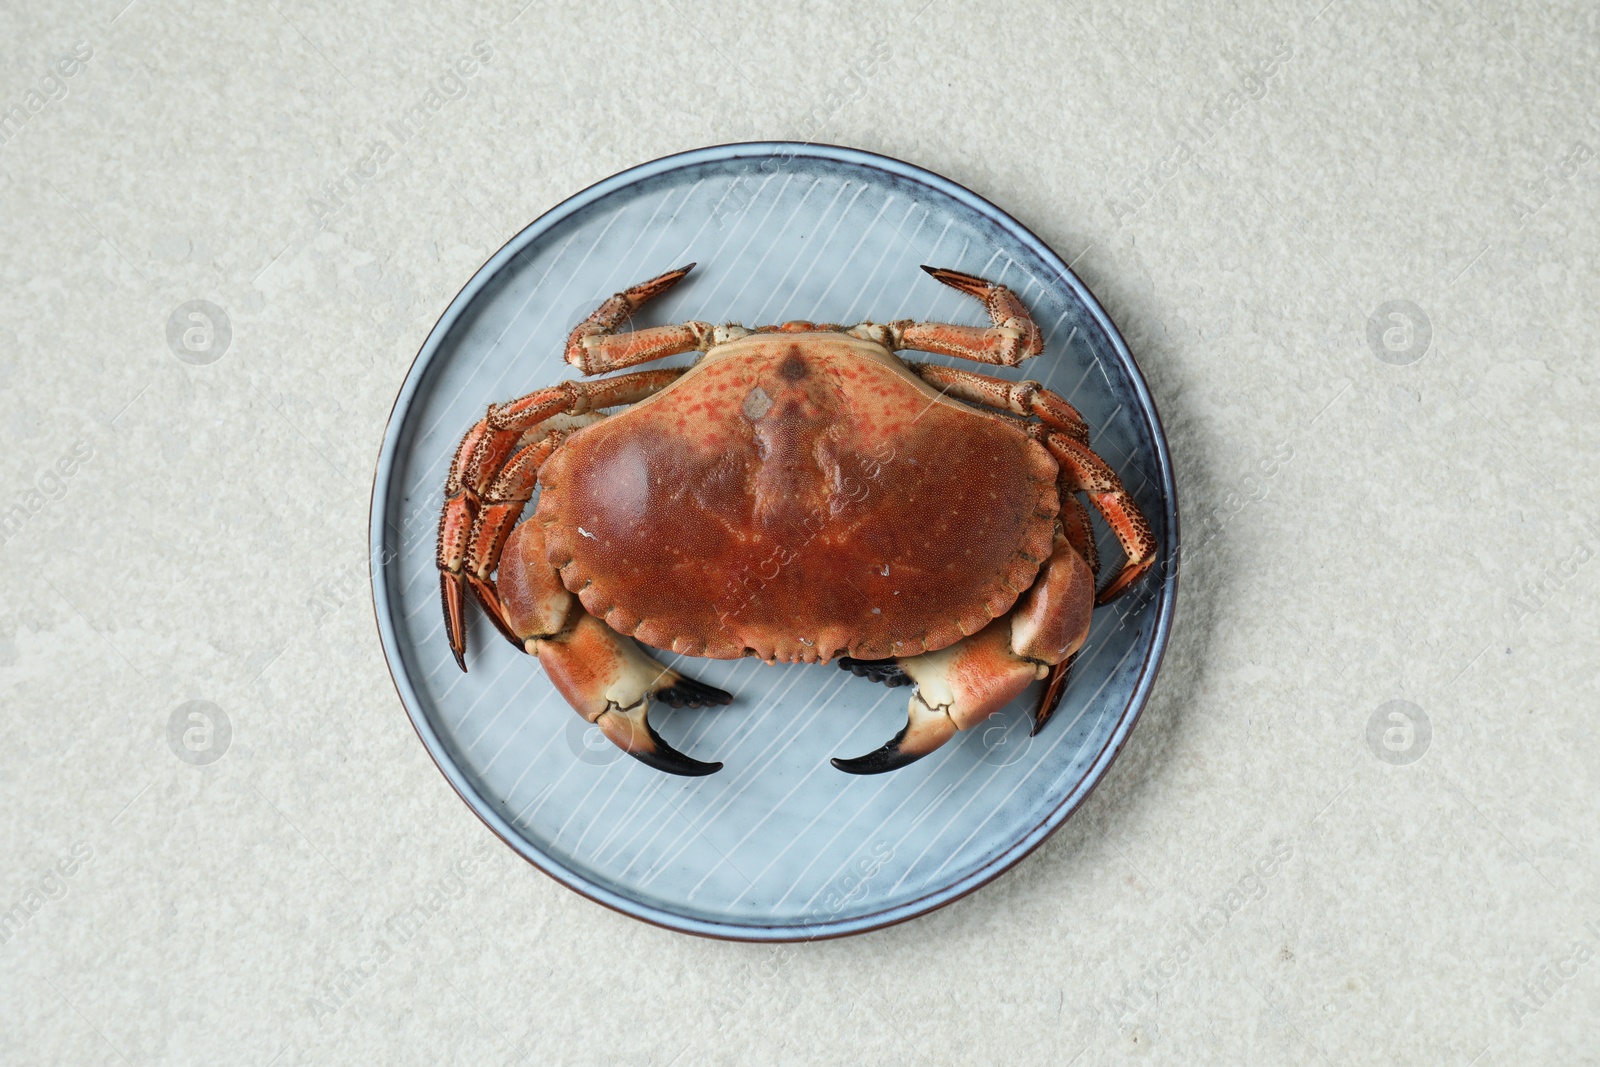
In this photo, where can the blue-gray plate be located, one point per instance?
(778, 845)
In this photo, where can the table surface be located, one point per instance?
(1352, 246)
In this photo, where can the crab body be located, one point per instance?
(792, 498)
(799, 494)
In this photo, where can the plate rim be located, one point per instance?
(665, 918)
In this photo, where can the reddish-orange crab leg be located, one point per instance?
(604, 676)
(1020, 398)
(1075, 524)
(1013, 338)
(477, 458)
(499, 509)
(595, 347)
(1088, 473)
(479, 461)
(960, 686)
(579, 398)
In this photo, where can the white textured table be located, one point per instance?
(1354, 250)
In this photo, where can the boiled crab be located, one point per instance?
(798, 494)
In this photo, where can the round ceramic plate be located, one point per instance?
(778, 845)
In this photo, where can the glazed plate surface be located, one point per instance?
(779, 845)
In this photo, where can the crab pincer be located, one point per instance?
(961, 685)
(606, 677)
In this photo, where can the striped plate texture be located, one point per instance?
(778, 845)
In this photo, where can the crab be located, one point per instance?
(797, 494)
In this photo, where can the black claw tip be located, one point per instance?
(885, 671)
(887, 758)
(688, 693)
(875, 762)
(674, 762)
(668, 759)
(461, 658)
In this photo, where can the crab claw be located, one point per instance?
(610, 681)
(630, 730)
(688, 693)
(956, 689)
(605, 676)
(886, 671)
(925, 730)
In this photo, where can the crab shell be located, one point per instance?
(799, 496)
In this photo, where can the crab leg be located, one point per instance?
(1075, 524)
(499, 509)
(481, 453)
(960, 686)
(595, 346)
(1086, 472)
(606, 677)
(1020, 398)
(481, 460)
(1013, 338)
(579, 398)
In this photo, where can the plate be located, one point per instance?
(779, 845)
